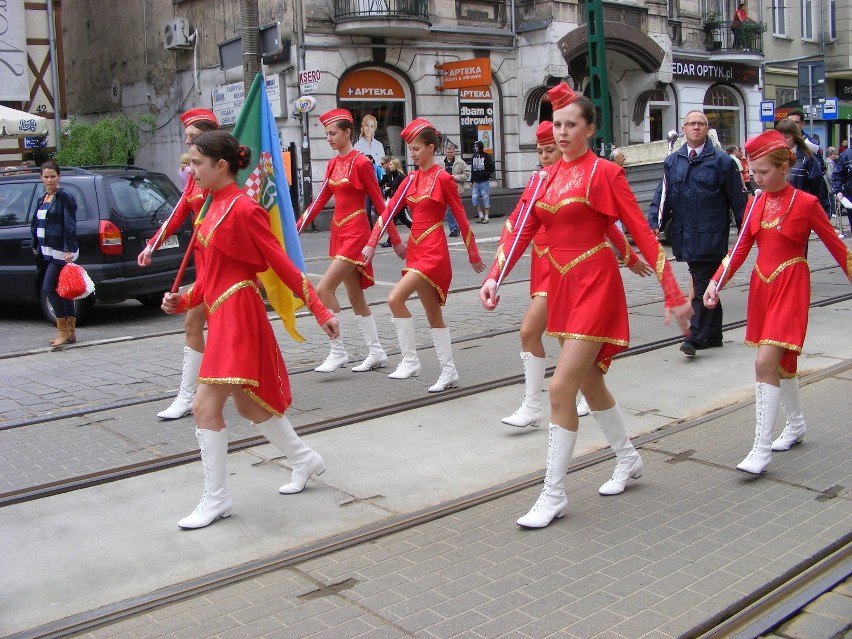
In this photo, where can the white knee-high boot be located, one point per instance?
(337, 355)
(409, 365)
(280, 433)
(582, 406)
(767, 401)
(449, 377)
(530, 412)
(794, 430)
(215, 500)
(628, 462)
(552, 503)
(182, 404)
(376, 358)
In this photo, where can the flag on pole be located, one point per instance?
(266, 183)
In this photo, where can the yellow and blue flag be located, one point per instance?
(266, 183)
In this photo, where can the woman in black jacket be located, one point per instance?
(54, 231)
(394, 174)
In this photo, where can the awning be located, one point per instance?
(20, 124)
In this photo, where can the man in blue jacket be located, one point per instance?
(841, 180)
(703, 188)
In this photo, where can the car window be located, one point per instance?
(82, 211)
(15, 201)
(137, 197)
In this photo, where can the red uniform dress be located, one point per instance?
(350, 179)
(577, 204)
(539, 262)
(236, 242)
(780, 288)
(427, 254)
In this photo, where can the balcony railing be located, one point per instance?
(722, 38)
(346, 9)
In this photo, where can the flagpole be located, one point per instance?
(165, 224)
(185, 261)
(522, 220)
(736, 244)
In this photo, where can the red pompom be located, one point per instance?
(74, 282)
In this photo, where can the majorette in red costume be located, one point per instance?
(585, 291)
(539, 262)
(237, 243)
(350, 179)
(779, 291)
(427, 197)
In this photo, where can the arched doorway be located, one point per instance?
(722, 108)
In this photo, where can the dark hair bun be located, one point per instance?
(244, 157)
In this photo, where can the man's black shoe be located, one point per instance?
(454, 233)
(387, 244)
(701, 347)
(688, 349)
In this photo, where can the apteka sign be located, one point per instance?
(465, 73)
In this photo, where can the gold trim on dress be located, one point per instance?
(339, 182)
(582, 256)
(771, 342)
(848, 263)
(778, 269)
(348, 217)
(785, 375)
(417, 240)
(230, 381)
(660, 266)
(306, 290)
(590, 338)
(414, 199)
(539, 294)
(441, 295)
(541, 252)
(343, 258)
(230, 291)
(508, 226)
(553, 208)
(254, 396)
(205, 239)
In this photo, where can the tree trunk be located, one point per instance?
(250, 31)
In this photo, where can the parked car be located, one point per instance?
(118, 210)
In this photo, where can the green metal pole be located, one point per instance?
(598, 85)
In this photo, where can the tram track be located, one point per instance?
(169, 461)
(750, 616)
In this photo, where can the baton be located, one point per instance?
(310, 206)
(185, 260)
(522, 220)
(672, 137)
(736, 244)
(159, 235)
(396, 207)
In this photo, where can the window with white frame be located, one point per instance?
(779, 18)
(832, 20)
(808, 20)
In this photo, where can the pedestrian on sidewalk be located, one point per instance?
(534, 323)
(458, 168)
(703, 188)
(481, 171)
(808, 171)
(350, 178)
(427, 191)
(54, 231)
(780, 221)
(393, 178)
(242, 360)
(195, 122)
(578, 200)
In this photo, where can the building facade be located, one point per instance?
(389, 59)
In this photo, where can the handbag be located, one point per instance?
(74, 282)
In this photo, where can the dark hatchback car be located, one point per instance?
(118, 210)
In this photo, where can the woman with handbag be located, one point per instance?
(54, 231)
(242, 359)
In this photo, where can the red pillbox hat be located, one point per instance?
(561, 96)
(544, 133)
(415, 128)
(766, 142)
(335, 115)
(196, 115)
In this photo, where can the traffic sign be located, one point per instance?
(767, 111)
(830, 108)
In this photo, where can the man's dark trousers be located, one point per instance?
(705, 327)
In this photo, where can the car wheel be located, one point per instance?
(151, 300)
(82, 308)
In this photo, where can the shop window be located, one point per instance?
(723, 113)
